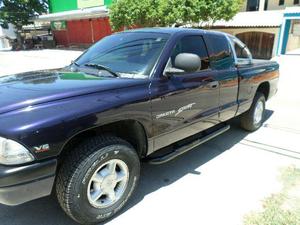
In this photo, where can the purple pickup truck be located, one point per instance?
(141, 95)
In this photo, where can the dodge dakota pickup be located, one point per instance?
(149, 94)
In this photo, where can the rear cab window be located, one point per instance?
(243, 54)
(220, 53)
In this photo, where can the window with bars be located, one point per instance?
(281, 2)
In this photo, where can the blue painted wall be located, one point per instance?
(285, 36)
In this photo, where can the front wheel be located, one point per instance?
(253, 118)
(97, 178)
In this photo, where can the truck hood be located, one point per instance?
(27, 89)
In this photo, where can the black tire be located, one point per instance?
(79, 166)
(248, 119)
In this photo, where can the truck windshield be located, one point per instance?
(133, 53)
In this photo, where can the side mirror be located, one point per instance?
(188, 62)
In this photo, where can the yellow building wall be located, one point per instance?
(244, 6)
(294, 37)
(272, 5)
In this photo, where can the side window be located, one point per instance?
(243, 54)
(192, 44)
(220, 52)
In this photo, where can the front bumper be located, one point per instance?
(21, 184)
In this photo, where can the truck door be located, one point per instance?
(246, 72)
(186, 103)
(223, 63)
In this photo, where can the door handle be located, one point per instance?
(213, 85)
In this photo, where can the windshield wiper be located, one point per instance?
(101, 67)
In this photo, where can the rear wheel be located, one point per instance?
(97, 179)
(253, 118)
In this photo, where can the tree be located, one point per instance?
(214, 10)
(179, 12)
(148, 13)
(19, 12)
(128, 13)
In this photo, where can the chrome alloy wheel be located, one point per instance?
(258, 112)
(108, 184)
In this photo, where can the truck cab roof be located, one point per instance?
(175, 30)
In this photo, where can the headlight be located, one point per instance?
(13, 153)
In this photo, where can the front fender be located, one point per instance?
(52, 124)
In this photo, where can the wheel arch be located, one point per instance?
(130, 130)
(264, 88)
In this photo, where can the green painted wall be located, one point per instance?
(108, 2)
(66, 5)
(62, 5)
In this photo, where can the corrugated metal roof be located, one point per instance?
(253, 19)
(86, 13)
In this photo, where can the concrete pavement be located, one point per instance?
(21, 61)
(216, 183)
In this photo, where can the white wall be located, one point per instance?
(10, 32)
(4, 43)
(1, 43)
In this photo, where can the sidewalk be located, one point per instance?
(21, 61)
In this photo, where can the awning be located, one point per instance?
(292, 11)
(37, 26)
(86, 13)
(252, 19)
